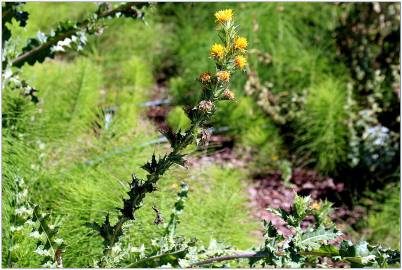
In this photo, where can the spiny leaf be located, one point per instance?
(136, 194)
(314, 238)
(11, 11)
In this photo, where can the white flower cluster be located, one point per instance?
(76, 42)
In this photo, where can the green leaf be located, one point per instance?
(315, 238)
(329, 250)
(12, 11)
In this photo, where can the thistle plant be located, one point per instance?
(35, 226)
(229, 57)
(304, 247)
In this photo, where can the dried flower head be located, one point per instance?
(223, 75)
(229, 95)
(223, 16)
(240, 61)
(205, 77)
(205, 105)
(240, 43)
(217, 50)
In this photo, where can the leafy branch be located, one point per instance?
(37, 49)
(12, 10)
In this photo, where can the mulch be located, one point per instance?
(270, 192)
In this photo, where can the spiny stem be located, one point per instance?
(19, 61)
(213, 88)
(248, 255)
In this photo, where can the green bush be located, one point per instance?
(322, 131)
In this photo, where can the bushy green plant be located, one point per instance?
(322, 129)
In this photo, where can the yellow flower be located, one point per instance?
(205, 77)
(229, 95)
(315, 206)
(240, 61)
(223, 16)
(223, 75)
(240, 43)
(217, 50)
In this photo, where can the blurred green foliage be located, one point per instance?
(382, 224)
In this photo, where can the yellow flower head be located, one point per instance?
(223, 75)
(205, 77)
(315, 206)
(223, 16)
(229, 95)
(240, 43)
(217, 50)
(240, 61)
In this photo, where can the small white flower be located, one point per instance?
(35, 234)
(42, 252)
(23, 210)
(16, 228)
(30, 222)
(42, 37)
(368, 258)
(58, 241)
(116, 248)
